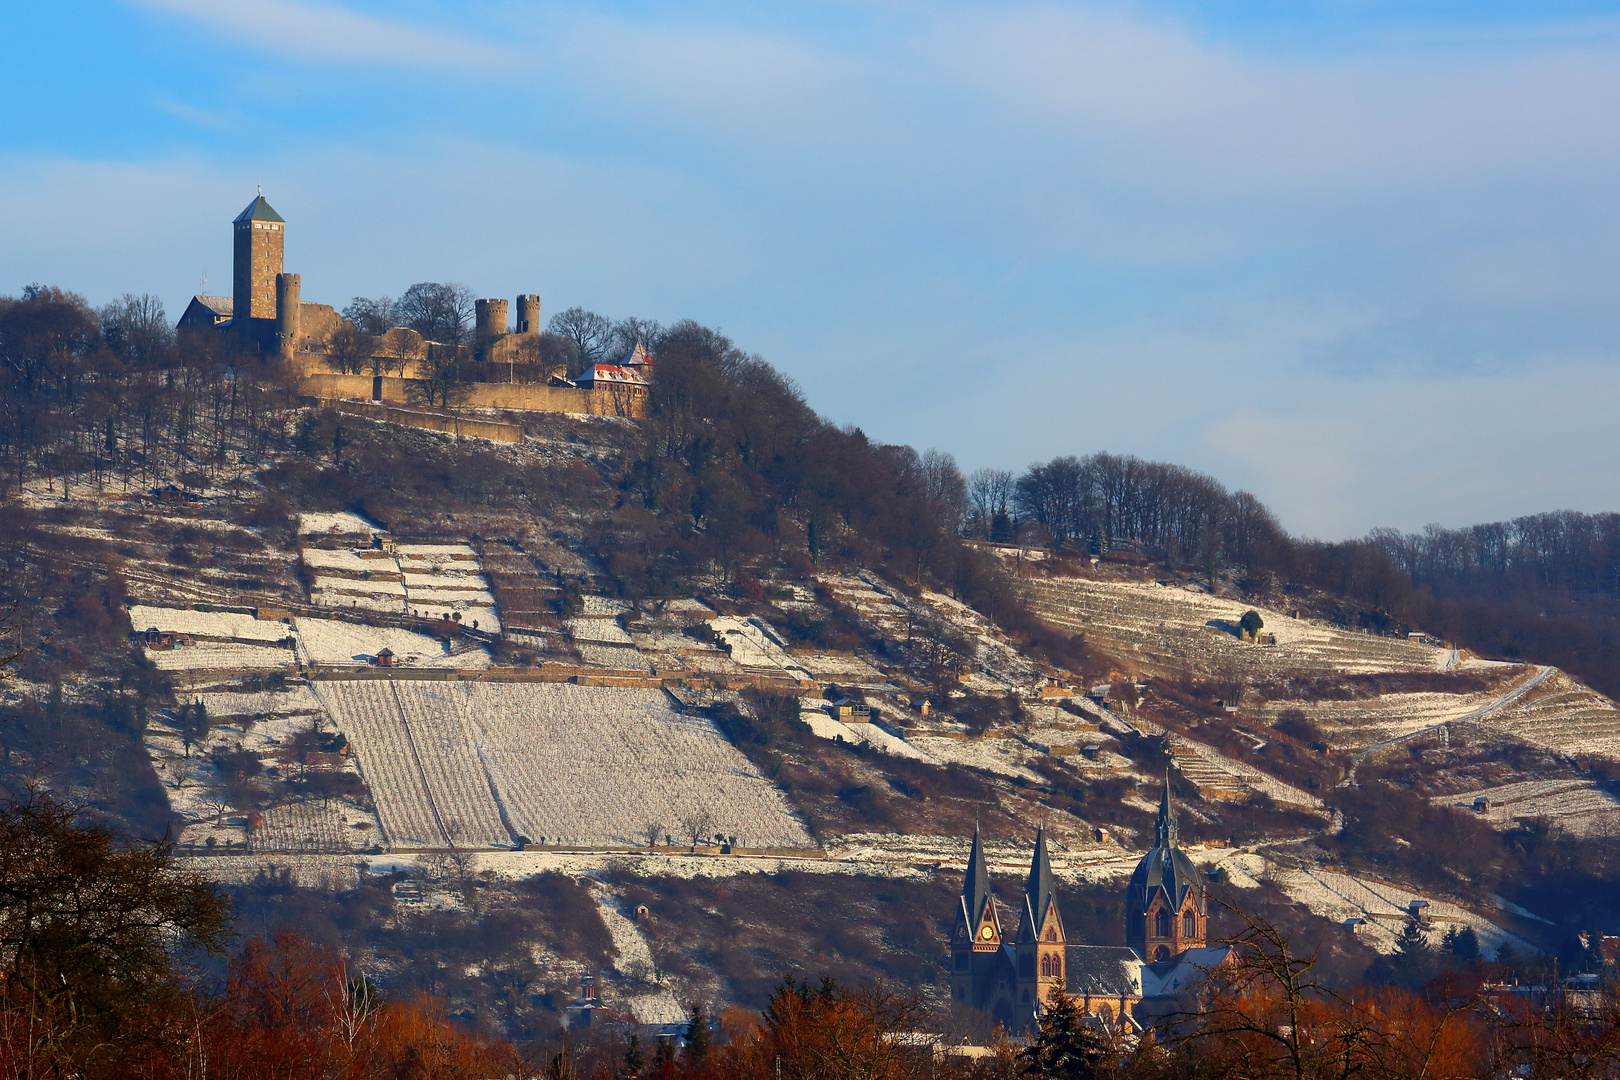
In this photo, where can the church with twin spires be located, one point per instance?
(1011, 976)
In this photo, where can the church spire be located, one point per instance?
(1165, 832)
(1038, 890)
(976, 883)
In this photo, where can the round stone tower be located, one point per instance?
(289, 315)
(489, 321)
(528, 314)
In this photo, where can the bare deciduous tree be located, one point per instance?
(439, 311)
(350, 348)
(373, 316)
(592, 333)
(696, 823)
(989, 494)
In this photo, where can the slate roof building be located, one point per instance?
(1165, 954)
(632, 370)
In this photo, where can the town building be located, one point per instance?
(1012, 975)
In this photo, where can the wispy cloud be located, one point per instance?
(331, 33)
(1332, 272)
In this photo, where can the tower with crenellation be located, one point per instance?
(259, 241)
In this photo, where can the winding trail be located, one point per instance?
(1542, 675)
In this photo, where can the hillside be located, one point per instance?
(461, 704)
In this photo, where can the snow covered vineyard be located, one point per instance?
(1576, 806)
(1161, 627)
(354, 564)
(1539, 706)
(491, 764)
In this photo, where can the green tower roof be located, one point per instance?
(258, 210)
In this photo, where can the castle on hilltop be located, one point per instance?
(266, 312)
(265, 307)
(1012, 977)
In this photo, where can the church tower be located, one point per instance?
(976, 942)
(1041, 943)
(259, 241)
(1166, 909)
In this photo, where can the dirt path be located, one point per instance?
(1542, 675)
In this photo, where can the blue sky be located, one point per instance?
(1359, 258)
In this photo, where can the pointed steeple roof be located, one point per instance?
(976, 884)
(1165, 832)
(258, 210)
(1039, 890)
(1166, 867)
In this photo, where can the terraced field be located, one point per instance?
(1576, 806)
(1385, 909)
(479, 765)
(1173, 630)
(1564, 714)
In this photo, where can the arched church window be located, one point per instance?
(1161, 924)
(1189, 925)
(1051, 933)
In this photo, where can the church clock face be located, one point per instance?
(986, 933)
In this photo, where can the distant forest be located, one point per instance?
(1545, 587)
(733, 470)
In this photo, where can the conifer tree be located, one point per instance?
(1064, 1047)
(697, 1038)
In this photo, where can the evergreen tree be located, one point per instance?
(664, 1057)
(1412, 963)
(1064, 1047)
(632, 1058)
(697, 1037)
(193, 725)
(1462, 944)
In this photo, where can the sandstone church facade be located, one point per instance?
(1011, 975)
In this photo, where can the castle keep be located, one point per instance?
(1013, 976)
(266, 312)
(265, 308)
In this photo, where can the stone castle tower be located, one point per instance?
(260, 236)
(266, 309)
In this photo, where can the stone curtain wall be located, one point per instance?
(460, 427)
(604, 401)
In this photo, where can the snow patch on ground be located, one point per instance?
(341, 523)
(343, 644)
(826, 726)
(222, 656)
(214, 624)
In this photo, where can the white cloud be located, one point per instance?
(327, 32)
(1011, 231)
